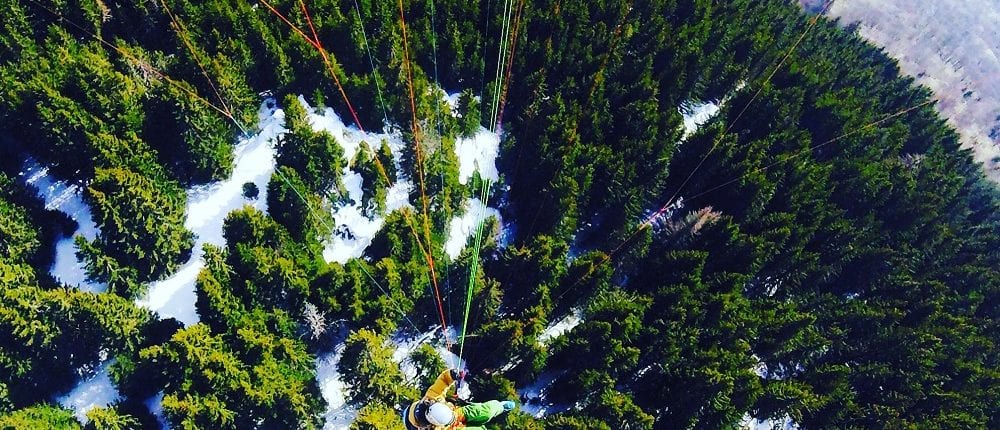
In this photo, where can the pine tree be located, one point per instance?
(315, 156)
(42, 416)
(370, 373)
(375, 416)
(142, 229)
(51, 334)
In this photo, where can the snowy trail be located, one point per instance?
(207, 207)
(68, 199)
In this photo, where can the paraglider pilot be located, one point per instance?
(434, 412)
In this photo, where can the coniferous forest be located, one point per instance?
(827, 254)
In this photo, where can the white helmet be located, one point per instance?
(440, 414)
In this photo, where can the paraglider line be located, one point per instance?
(141, 63)
(181, 33)
(330, 229)
(323, 53)
(648, 222)
(417, 138)
(371, 60)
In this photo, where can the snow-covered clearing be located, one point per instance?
(478, 153)
(96, 391)
(68, 199)
(354, 230)
(207, 207)
(696, 115)
(475, 154)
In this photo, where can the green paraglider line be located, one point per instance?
(503, 81)
(473, 270)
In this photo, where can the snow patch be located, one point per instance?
(751, 423)
(97, 391)
(68, 199)
(452, 100)
(207, 207)
(462, 227)
(478, 153)
(353, 230)
(697, 115)
(406, 346)
(339, 414)
(562, 326)
(536, 402)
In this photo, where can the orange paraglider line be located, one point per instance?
(417, 137)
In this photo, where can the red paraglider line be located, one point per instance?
(322, 52)
(415, 127)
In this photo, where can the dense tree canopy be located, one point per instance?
(834, 259)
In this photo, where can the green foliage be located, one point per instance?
(370, 372)
(258, 375)
(376, 170)
(20, 239)
(429, 364)
(110, 419)
(370, 296)
(49, 334)
(376, 416)
(292, 205)
(263, 268)
(315, 156)
(561, 422)
(142, 230)
(860, 278)
(469, 110)
(38, 418)
(204, 152)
